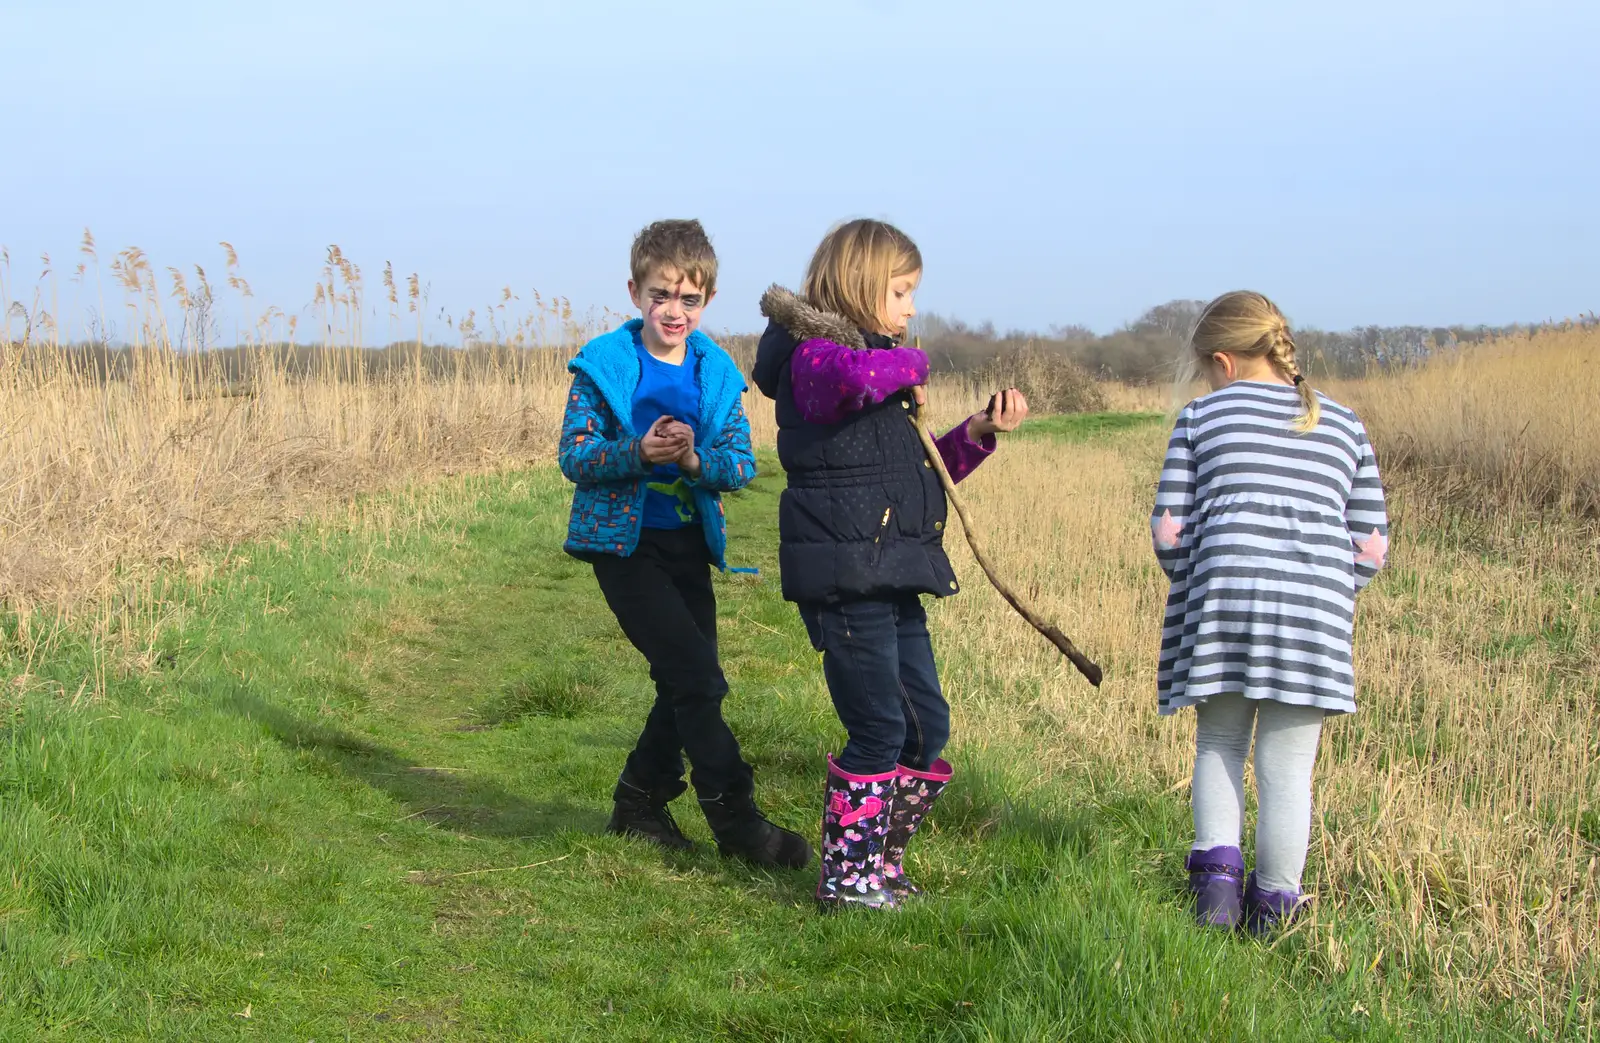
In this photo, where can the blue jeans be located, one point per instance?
(879, 665)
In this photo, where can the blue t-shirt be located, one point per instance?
(666, 390)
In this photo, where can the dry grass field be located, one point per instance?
(1459, 810)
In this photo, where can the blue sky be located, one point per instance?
(1399, 162)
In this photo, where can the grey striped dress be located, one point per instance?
(1267, 535)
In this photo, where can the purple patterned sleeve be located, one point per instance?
(960, 453)
(832, 381)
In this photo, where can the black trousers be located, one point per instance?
(662, 597)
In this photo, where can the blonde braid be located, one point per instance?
(1281, 353)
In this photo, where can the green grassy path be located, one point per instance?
(1078, 427)
(360, 796)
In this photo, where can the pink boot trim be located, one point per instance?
(940, 772)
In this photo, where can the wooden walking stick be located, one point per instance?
(1086, 666)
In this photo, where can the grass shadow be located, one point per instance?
(455, 800)
(559, 688)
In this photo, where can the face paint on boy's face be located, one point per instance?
(671, 305)
(898, 306)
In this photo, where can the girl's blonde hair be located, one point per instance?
(849, 274)
(1248, 325)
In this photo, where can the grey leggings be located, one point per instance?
(1286, 751)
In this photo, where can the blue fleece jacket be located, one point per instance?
(600, 448)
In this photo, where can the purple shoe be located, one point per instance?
(1216, 879)
(1267, 911)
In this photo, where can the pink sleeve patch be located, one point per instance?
(1374, 549)
(1168, 531)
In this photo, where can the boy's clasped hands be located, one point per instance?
(671, 441)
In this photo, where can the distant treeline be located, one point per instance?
(1144, 351)
(1147, 350)
(311, 361)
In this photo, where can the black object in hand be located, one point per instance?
(995, 405)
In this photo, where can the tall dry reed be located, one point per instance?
(116, 459)
(1508, 422)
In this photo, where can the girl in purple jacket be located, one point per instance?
(861, 528)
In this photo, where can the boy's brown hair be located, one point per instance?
(675, 244)
(850, 273)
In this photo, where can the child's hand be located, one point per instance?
(1007, 410)
(688, 460)
(663, 443)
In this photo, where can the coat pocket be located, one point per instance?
(608, 517)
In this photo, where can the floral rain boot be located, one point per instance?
(1216, 879)
(855, 822)
(915, 792)
(1266, 911)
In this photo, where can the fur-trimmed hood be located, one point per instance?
(791, 322)
(805, 322)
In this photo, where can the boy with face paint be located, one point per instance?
(654, 432)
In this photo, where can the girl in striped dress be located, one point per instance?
(1269, 518)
